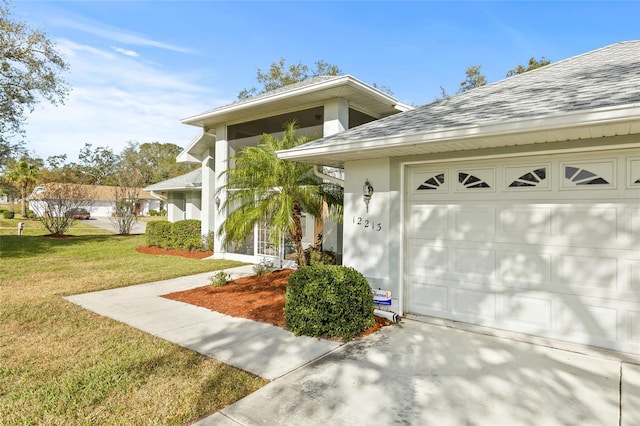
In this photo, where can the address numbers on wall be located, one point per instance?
(367, 224)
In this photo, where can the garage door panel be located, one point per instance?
(633, 325)
(588, 271)
(633, 274)
(431, 221)
(635, 225)
(474, 262)
(472, 305)
(525, 269)
(429, 298)
(580, 318)
(532, 313)
(584, 223)
(527, 223)
(473, 223)
(547, 246)
(429, 260)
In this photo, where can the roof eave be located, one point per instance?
(346, 80)
(385, 146)
(200, 143)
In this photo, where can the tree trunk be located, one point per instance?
(296, 238)
(23, 195)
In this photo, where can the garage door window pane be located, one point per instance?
(433, 182)
(532, 178)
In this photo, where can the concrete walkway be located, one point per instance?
(413, 373)
(258, 348)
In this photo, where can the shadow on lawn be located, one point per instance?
(16, 247)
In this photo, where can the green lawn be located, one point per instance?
(60, 364)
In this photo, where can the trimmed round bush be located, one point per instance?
(8, 214)
(328, 301)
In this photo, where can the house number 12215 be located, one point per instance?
(368, 224)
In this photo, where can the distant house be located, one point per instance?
(182, 194)
(100, 200)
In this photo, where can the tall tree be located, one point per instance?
(155, 161)
(97, 165)
(56, 169)
(533, 64)
(280, 74)
(264, 189)
(24, 174)
(474, 78)
(30, 69)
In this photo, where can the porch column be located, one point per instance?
(208, 187)
(221, 163)
(336, 120)
(336, 117)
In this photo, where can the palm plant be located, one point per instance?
(23, 174)
(264, 189)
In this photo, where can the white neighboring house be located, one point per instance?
(100, 200)
(321, 106)
(183, 195)
(515, 205)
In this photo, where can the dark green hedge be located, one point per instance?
(181, 235)
(328, 301)
(188, 234)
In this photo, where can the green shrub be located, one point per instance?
(187, 234)
(208, 241)
(219, 279)
(162, 212)
(153, 212)
(181, 235)
(160, 234)
(263, 268)
(328, 301)
(315, 256)
(8, 214)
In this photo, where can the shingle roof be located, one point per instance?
(189, 180)
(91, 192)
(606, 77)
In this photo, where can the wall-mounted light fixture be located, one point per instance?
(218, 202)
(367, 193)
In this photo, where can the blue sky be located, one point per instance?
(138, 67)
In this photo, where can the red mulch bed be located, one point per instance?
(259, 298)
(166, 252)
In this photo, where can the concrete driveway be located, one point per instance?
(423, 374)
(412, 373)
(105, 223)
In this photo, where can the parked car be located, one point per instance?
(79, 214)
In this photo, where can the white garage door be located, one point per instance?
(548, 246)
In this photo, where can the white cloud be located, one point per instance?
(114, 34)
(116, 99)
(126, 52)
